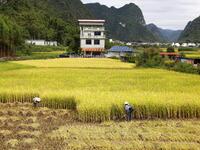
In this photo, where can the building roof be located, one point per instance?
(91, 21)
(92, 49)
(120, 49)
(169, 54)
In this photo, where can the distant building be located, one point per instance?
(184, 45)
(170, 55)
(191, 45)
(111, 40)
(92, 36)
(129, 44)
(119, 51)
(176, 44)
(192, 61)
(42, 42)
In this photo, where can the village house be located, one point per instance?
(129, 44)
(191, 45)
(177, 57)
(92, 37)
(192, 61)
(170, 55)
(119, 51)
(184, 45)
(176, 44)
(42, 42)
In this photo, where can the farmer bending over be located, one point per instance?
(129, 110)
(36, 101)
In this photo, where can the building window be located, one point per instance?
(89, 34)
(88, 42)
(97, 33)
(96, 42)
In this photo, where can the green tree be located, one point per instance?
(149, 58)
(170, 50)
(10, 35)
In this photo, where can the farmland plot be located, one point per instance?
(97, 88)
(23, 127)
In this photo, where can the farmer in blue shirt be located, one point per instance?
(129, 110)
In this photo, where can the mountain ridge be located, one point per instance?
(191, 32)
(46, 19)
(126, 23)
(165, 35)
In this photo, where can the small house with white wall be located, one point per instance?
(42, 42)
(92, 36)
(184, 45)
(176, 44)
(191, 45)
(119, 51)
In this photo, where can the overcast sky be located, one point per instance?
(168, 14)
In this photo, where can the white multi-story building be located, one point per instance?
(92, 36)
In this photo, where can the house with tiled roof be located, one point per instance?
(119, 51)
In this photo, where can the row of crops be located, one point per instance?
(113, 111)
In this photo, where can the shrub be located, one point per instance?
(28, 50)
(198, 69)
(149, 58)
(129, 58)
(187, 49)
(170, 50)
(169, 64)
(185, 67)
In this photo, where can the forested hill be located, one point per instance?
(126, 23)
(45, 19)
(192, 32)
(165, 35)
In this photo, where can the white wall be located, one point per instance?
(42, 42)
(115, 54)
(38, 42)
(84, 45)
(87, 33)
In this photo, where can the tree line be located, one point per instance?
(28, 19)
(10, 36)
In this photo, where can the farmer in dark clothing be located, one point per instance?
(129, 110)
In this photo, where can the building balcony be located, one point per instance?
(92, 37)
(94, 29)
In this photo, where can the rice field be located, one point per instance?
(97, 88)
(23, 127)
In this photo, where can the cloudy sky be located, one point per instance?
(168, 14)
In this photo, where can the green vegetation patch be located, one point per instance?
(42, 55)
(187, 49)
(6, 66)
(193, 56)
